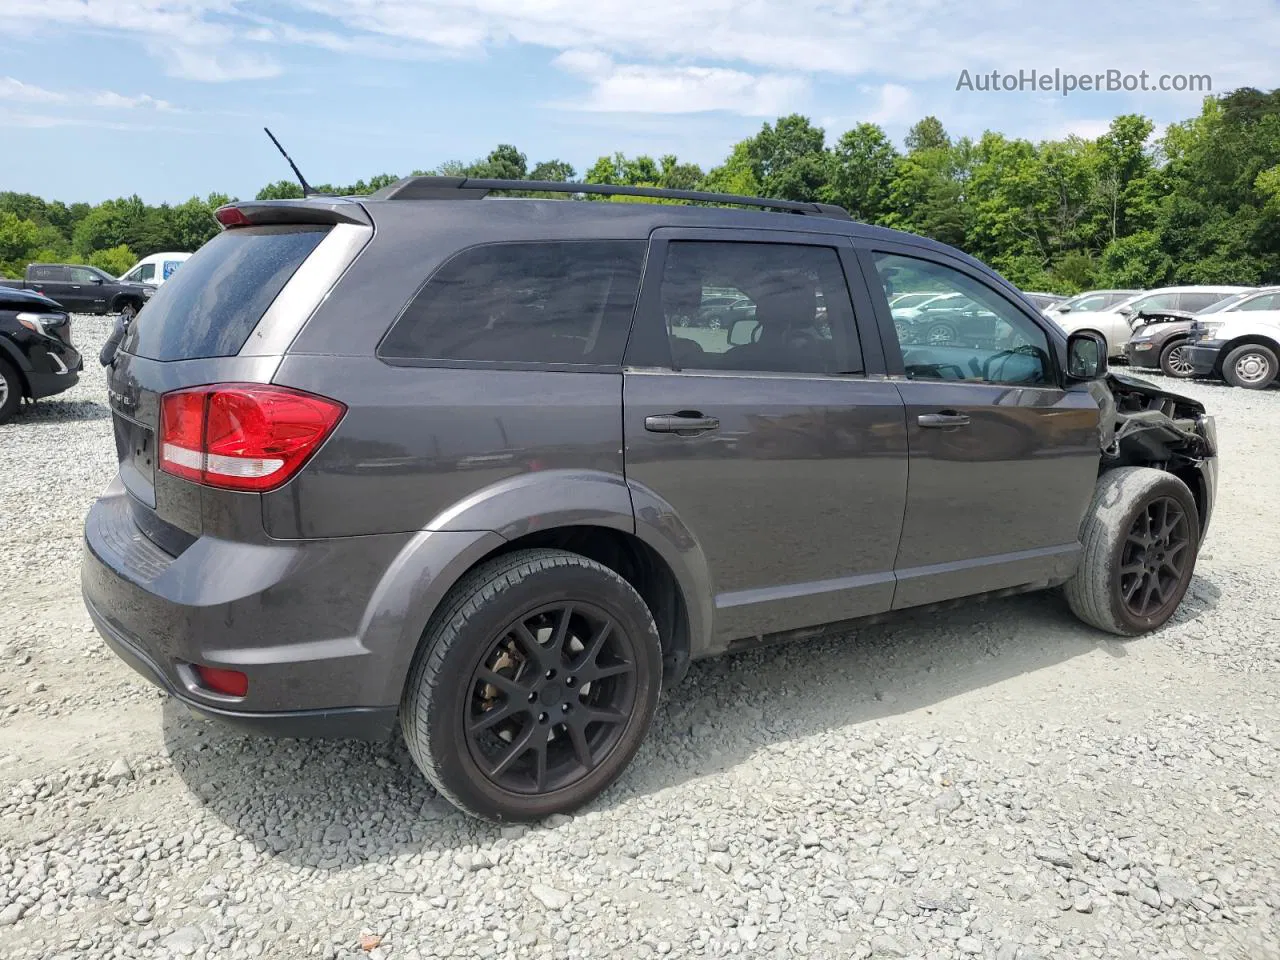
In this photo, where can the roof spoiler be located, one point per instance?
(473, 188)
(255, 212)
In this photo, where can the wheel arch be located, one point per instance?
(120, 299)
(586, 512)
(15, 358)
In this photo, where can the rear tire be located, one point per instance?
(533, 687)
(1252, 366)
(1142, 528)
(10, 391)
(1174, 361)
(128, 311)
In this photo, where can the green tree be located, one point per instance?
(114, 261)
(553, 171)
(863, 164)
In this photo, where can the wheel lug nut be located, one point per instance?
(542, 718)
(565, 708)
(533, 697)
(570, 681)
(551, 674)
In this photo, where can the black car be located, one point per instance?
(37, 358)
(84, 289)
(445, 461)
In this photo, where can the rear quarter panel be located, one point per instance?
(416, 441)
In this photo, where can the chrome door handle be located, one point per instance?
(948, 418)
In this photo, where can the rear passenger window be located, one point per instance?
(545, 302)
(1198, 301)
(1265, 302)
(48, 273)
(770, 307)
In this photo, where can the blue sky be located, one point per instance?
(166, 98)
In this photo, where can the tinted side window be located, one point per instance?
(1265, 302)
(83, 275)
(1157, 301)
(148, 272)
(774, 307)
(544, 302)
(211, 306)
(48, 273)
(974, 334)
(1198, 301)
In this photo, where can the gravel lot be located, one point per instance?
(998, 781)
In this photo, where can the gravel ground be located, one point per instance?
(998, 781)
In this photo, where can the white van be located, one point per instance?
(155, 269)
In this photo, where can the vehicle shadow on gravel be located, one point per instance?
(60, 411)
(340, 804)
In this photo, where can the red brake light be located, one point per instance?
(232, 683)
(230, 216)
(242, 436)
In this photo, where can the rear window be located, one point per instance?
(546, 302)
(210, 306)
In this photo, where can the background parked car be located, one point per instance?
(1113, 323)
(1242, 347)
(36, 356)
(83, 289)
(1161, 337)
(155, 269)
(1044, 300)
(1091, 301)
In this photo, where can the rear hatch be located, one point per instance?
(189, 334)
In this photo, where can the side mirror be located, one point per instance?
(97, 280)
(741, 332)
(1125, 311)
(1063, 308)
(1086, 356)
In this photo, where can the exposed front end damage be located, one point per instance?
(1143, 425)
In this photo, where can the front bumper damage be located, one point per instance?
(1144, 425)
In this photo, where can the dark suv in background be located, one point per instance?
(475, 465)
(37, 358)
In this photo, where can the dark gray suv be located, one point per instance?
(464, 463)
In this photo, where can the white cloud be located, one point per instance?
(646, 88)
(894, 105)
(667, 56)
(16, 91)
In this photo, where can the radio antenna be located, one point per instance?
(306, 187)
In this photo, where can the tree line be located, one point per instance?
(1198, 204)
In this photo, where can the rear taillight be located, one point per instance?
(230, 216)
(242, 436)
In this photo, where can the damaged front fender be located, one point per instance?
(1144, 425)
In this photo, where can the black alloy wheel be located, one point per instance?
(551, 697)
(1154, 557)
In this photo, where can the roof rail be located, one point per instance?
(473, 188)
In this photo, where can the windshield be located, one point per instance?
(1087, 303)
(1228, 303)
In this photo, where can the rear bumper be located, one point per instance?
(1203, 357)
(288, 614)
(360, 723)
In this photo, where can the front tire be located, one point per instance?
(1141, 537)
(533, 687)
(1175, 361)
(10, 391)
(1252, 366)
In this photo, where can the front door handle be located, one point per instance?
(686, 424)
(947, 418)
